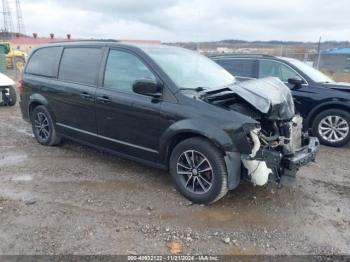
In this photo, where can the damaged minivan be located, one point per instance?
(167, 107)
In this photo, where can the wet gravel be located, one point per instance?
(73, 199)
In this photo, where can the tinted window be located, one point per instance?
(239, 67)
(80, 65)
(123, 69)
(271, 68)
(44, 62)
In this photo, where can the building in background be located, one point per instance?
(336, 63)
(336, 60)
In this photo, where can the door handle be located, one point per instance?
(87, 96)
(104, 99)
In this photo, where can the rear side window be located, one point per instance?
(44, 62)
(239, 67)
(80, 65)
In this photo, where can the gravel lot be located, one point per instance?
(73, 199)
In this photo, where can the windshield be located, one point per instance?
(311, 72)
(189, 69)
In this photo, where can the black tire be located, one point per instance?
(43, 127)
(12, 96)
(329, 116)
(215, 160)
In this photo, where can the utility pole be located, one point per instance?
(8, 23)
(20, 24)
(318, 53)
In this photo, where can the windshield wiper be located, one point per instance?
(197, 89)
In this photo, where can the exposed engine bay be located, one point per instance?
(278, 145)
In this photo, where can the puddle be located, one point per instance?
(13, 194)
(12, 160)
(8, 147)
(21, 178)
(24, 131)
(223, 217)
(103, 185)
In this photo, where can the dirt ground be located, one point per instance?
(73, 199)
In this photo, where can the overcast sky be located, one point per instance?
(190, 20)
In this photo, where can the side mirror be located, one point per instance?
(296, 81)
(147, 87)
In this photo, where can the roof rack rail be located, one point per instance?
(87, 40)
(240, 54)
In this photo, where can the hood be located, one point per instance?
(5, 80)
(268, 95)
(342, 86)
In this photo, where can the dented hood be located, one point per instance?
(268, 95)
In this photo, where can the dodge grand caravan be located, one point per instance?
(167, 107)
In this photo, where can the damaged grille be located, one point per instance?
(295, 140)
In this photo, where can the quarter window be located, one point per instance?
(80, 65)
(271, 68)
(123, 69)
(44, 62)
(239, 67)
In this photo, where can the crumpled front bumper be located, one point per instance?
(285, 167)
(302, 157)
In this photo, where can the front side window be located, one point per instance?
(271, 68)
(80, 65)
(44, 62)
(239, 67)
(123, 69)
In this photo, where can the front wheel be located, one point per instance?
(199, 171)
(332, 127)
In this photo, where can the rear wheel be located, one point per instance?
(332, 127)
(199, 171)
(43, 127)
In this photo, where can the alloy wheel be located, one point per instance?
(333, 128)
(42, 126)
(196, 172)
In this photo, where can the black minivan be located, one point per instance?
(167, 107)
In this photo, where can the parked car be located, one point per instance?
(8, 96)
(323, 103)
(167, 107)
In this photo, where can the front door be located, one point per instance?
(302, 96)
(127, 122)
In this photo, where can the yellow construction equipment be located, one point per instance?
(15, 59)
